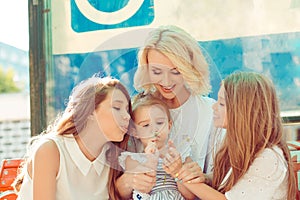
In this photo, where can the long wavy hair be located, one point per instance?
(183, 51)
(84, 98)
(253, 124)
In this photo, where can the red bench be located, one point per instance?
(8, 173)
(294, 147)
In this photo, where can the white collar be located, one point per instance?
(82, 163)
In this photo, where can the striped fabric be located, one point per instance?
(166, 187)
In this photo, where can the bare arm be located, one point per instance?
(45, 165)
(194, 180)
(204, 191)
(124, 187)
(185, 192)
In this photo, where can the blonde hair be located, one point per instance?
(145, 100)
(142, 100)
(253, 124)
(183, 51)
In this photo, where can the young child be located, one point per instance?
(152, 127)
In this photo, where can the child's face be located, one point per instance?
(152, 124)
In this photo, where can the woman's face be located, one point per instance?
(152, 124)
(113, 116)
(164, 75)
(220, 119)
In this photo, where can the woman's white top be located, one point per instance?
(192, 125)
(78, 178)
(266, 178)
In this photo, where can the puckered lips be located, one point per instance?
(124, 128)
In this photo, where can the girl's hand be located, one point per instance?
(129, 181)
(191, 172)
(143, 182)
(172, 161)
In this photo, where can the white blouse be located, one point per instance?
(78, 177)
(266, 178)
(192, 125)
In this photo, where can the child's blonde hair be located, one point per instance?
(145, 100)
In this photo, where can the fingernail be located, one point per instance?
(176, 179)
(189, 182)
(176, 175)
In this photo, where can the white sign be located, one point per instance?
(205, 20)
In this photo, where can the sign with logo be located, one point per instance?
(103, 14)
(80, 26)
(103, 37)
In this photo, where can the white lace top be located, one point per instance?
(266, 178)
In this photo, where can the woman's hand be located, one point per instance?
(143, 182)
(191, 172)
(172, 161)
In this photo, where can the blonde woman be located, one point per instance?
(173, 68)
(254, 161)
(76, 158)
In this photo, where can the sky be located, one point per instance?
(14, 23)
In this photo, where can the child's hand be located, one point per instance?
(172, 161)
(151, 147)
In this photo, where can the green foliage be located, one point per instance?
(7, 84)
